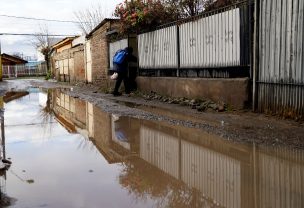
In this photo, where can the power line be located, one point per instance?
(31, 34)
(40, 19)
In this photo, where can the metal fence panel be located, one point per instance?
(115, 46)
(158, 49)
(281, 77)
(212, 41)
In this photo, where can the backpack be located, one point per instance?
(120, 56)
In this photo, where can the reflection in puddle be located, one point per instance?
(78, 156)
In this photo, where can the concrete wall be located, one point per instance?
(230, 91)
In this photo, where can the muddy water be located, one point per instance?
(68, 153)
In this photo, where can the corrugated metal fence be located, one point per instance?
(280, 81)
(158, 49)
(215, 44)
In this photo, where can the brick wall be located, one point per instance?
(100, 53)
(99, 50)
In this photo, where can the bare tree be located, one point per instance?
(41, 42)
(89, 18)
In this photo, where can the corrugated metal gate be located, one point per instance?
(280, 79)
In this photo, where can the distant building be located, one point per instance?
(9, 60)
(67, 59)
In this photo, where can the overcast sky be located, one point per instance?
(46, 9)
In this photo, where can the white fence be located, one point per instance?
(9, 71)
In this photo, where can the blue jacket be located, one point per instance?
(124, 66)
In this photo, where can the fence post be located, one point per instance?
(178, 51)
(256, 54)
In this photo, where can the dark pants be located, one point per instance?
(122, 76)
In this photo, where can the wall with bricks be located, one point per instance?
(100, 52)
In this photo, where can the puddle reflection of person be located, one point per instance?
(122, 71)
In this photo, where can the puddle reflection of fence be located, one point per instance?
(233, 179)
(227, 174)
(23, 71)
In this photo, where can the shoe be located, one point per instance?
(117, 94)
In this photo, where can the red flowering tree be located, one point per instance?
(140, 15)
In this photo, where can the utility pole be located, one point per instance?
(0, 61)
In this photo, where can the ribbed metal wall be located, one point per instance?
(212, 41)
(281, 71)
(217, 176)
(115, 47)
(161, 150)
(158, 49)
(281, 182)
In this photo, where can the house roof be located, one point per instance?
(14, 59)
(100, 25)
(64, 42)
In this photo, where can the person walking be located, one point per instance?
(120, 65)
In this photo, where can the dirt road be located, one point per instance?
(240, 127)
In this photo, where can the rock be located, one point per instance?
(221, 108)
(175, 101)
(30, 181)
(184, 103)
(213, 106)
(201, 108)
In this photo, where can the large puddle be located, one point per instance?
(68, 153)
